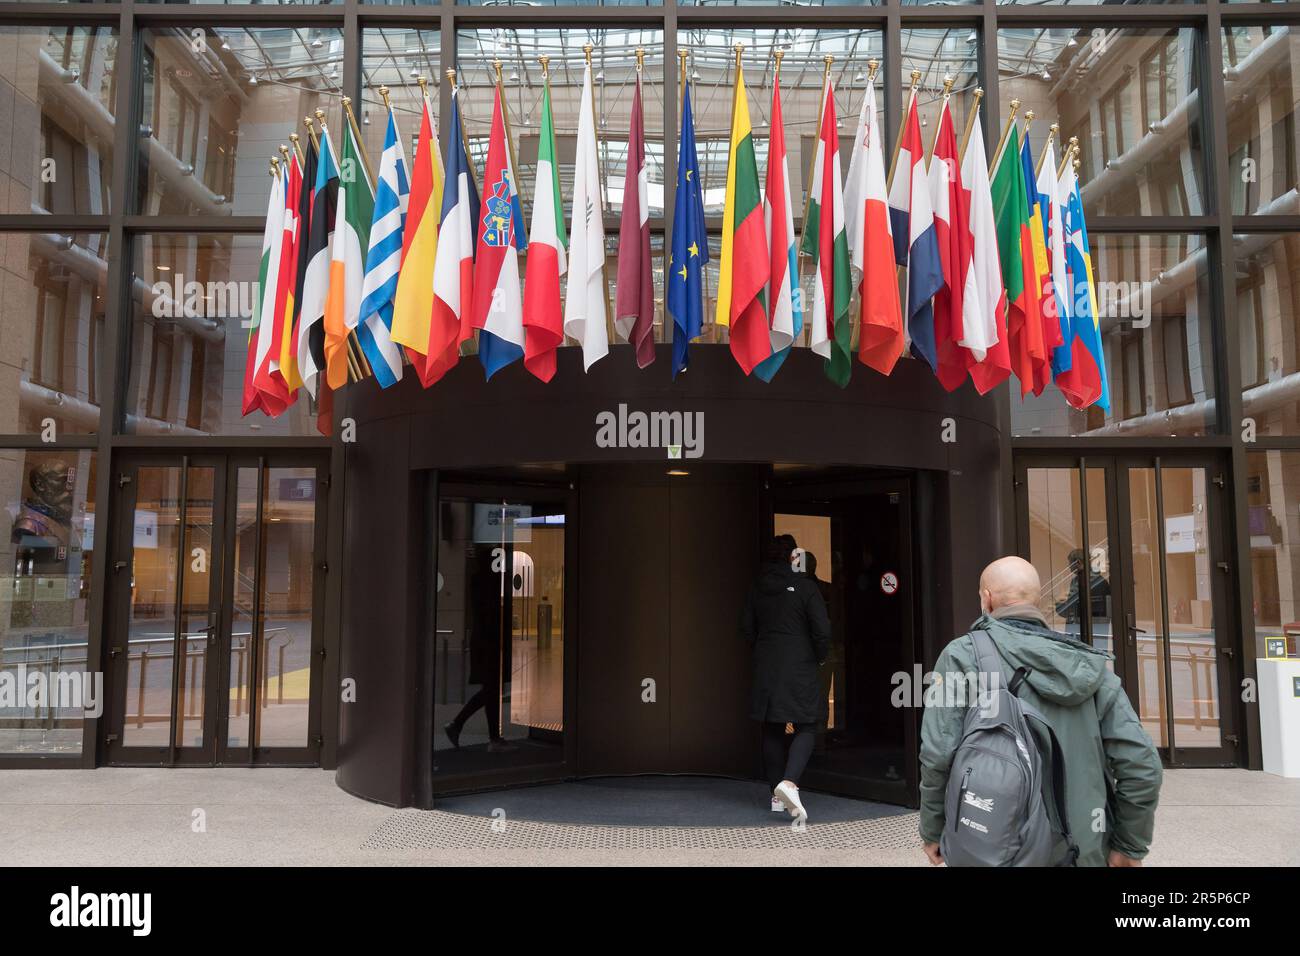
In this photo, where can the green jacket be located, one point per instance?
(1100, 735)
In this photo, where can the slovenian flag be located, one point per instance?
(915, 245)
(453, 269)
(1085, 383)
(786, 318)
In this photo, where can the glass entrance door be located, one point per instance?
(1130, 553)
(214, 635)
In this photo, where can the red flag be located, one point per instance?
(952, 229)
(634, 307)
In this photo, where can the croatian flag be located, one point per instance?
(384, 260)
(453, 266)
(915, 246)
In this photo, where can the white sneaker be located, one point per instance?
(788, 794)
(777, 805)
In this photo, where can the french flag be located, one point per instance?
(911, 218)
(453, 266)
(498, 310)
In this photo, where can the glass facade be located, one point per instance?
(134, 141)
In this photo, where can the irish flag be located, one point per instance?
(826, 242)
(356, 207)
(743, 266)
(543, 318)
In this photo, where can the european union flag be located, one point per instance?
(690, 250)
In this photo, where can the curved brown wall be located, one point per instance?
(465, 423)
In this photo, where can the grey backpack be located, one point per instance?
(994, 810)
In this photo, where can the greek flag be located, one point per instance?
(383, 260)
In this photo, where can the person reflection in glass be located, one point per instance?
(1071, 609)
(485, 620)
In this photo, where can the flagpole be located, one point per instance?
(817, 133)
(356, 138)
(1070, 152)
(297, 150)
(600, 196)
(510, 143)
(1029, 121)
(464, 137)
(311, 132)
(1006, 131)
(970, 122)
(948, 82)
(353, 365)
(902, 127)
(1051, 138)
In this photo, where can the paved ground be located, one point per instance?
(273, 817)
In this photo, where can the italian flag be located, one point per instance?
(826, 243)
(1016, 251)
(743, 266)
(543, 318)
(356, 207)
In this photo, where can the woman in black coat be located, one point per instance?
(786, 624)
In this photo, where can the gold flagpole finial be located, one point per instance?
(872, 66)
(496, 65)
(970, 121)
(284, 151)
(948, 81)
(586, 51)
(778, 55)
(916, 79)
(275, 167)
(451, 75)
(320, 119)
(383, 95)
(740, 49)
(546, 66)
(640, 58)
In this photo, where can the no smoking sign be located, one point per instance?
(889, 582)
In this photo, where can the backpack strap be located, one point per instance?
(987, 658)
(1058, 791)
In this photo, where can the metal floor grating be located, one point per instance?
(440, 830)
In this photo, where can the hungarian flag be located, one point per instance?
(315, 284)
(355, 208)
(1016, 250)
(826, 242)
(743, 266)
(453, 271)
(277, 379)
(984, 304)
(543, 318)
(293, 309)
(383, 261)
(634, 305)
(498, 311)
(413, 300)
(785, 317)
(871, 244)
(956, 248)
(915, 244)
(259, 337)
(585, 302)
(1041, 281)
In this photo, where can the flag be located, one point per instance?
(353, 211)
(293, 310)
(453, 269)
(915, 243)
(743, 265)
(412, 300)
(279, 378)
(315, 284)
(953, 237)
(1051, 209)
(498, 310)
(825, 241)
(1085, 382)
(1016, 252)
(384, 261)
(690, 251)
(259, 336)
(785, 318)
(1041, 267)
(634, 303)
(543, 318)
(984, 303)
(585, 302)
(871, 244)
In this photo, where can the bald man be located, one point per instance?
(1112, 768)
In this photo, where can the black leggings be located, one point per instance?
(780, 764)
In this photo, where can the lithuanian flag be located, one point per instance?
(743, 267)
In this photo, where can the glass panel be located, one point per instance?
(49, 497)
(500, 635)
(1261, 66)
(244, 568)
(614, 66)
(1154, 303)
(53, 313)
(1274, 522)
(213, 97)
(1268, 324)
(57, 99)
(151, 622)
(1144, 566)
(289, 529)
(197, 611)
(192, 301)
(394, 57)
(784, 3)
(1130, 96)
(1189, 569)
(937, 53)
